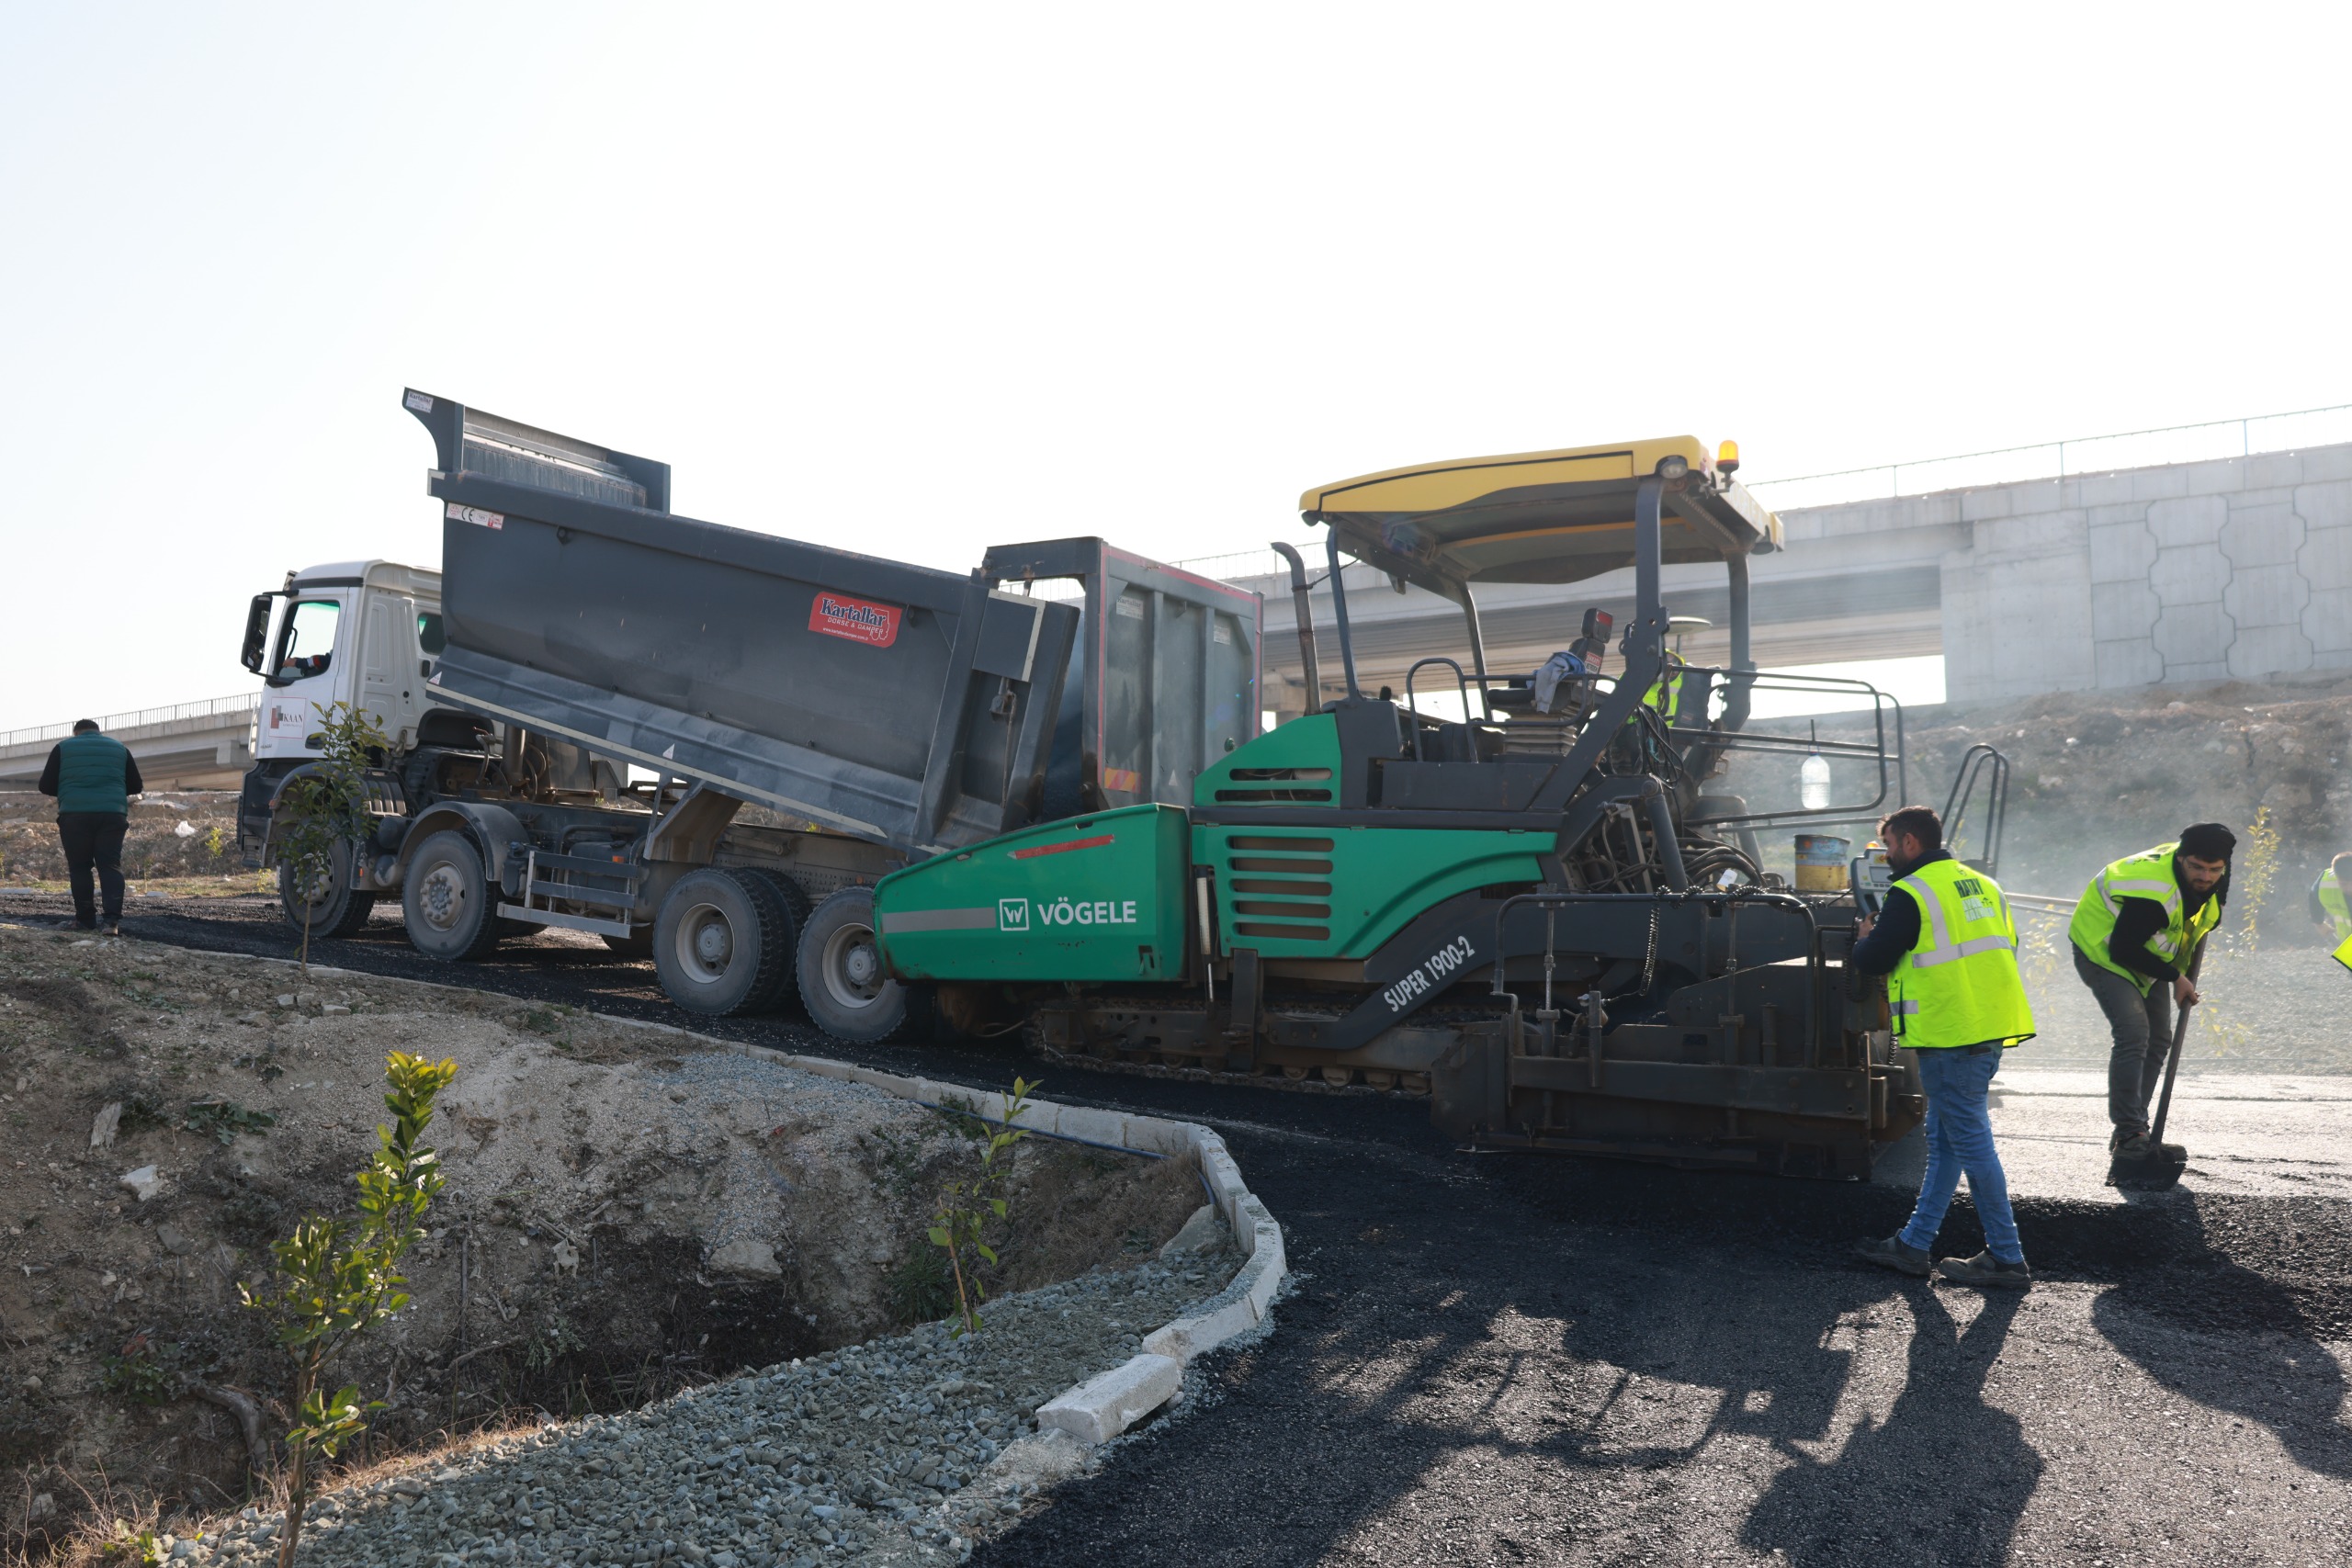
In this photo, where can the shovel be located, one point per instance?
(2160, 1170)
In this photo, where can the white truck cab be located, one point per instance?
(367, 633)
(364, 633)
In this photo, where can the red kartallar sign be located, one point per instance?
(859, 620)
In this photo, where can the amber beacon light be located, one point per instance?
(1727, 457)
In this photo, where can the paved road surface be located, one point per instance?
(1498, 1360)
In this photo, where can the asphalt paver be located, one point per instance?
(1494, 1358)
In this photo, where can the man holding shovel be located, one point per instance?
(2136, 931)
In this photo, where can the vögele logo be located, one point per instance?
(1012, 914)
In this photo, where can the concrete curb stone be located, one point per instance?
(1091, 1126)
(1109, 1403)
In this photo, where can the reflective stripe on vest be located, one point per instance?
(1944, 950)
(1959, 985)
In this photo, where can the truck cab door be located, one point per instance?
(388, 677)
(309, 668)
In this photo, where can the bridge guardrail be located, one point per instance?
(210, 707)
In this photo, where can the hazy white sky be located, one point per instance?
(918, 278)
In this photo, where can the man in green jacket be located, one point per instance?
(93, 777)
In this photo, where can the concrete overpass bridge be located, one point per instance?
(200, 745)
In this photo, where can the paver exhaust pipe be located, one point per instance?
(1302, 607)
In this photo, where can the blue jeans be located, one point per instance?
(1959, 1138)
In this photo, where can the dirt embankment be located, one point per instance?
(624, 1214)
(2095, 775)
(184, 841)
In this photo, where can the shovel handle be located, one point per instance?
(2179, 1034)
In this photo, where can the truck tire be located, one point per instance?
(447, 901)
(795, 902)
(337, 910)
(722, 942)
(842, 982)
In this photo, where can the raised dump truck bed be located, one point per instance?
(903, 704)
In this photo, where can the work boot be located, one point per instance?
(113, 927)
(1986, 1270)
(1889, 1252)
(2135, 1148)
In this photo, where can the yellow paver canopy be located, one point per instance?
(1558, 516)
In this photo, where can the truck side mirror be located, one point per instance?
(258, 630)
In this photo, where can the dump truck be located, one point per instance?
(1524, 902)
(708, 745)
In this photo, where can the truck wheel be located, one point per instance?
(722, 942)
(447, 902)
(336, 909)
(794, 904)
(842, 981)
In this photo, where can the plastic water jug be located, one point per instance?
(1812, 782)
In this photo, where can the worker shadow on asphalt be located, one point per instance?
(1868, 1498)
(2272, 1365)
(1714, 1364)
(1539, 1360)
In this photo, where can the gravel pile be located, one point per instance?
(860, 1453)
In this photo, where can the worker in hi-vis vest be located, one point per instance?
(2326, 903)
(1669, 694)
(1676, 697)
(1948, 946)
(2135, 929)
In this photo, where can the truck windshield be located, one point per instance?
(308, 642)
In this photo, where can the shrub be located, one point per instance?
(337, 1278)
(967, 1205)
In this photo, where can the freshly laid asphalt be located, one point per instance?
(1494, 1358)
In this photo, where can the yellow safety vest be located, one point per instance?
(1665, 696)
(1959, 985)
(2331, 898)
(2147, 874)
